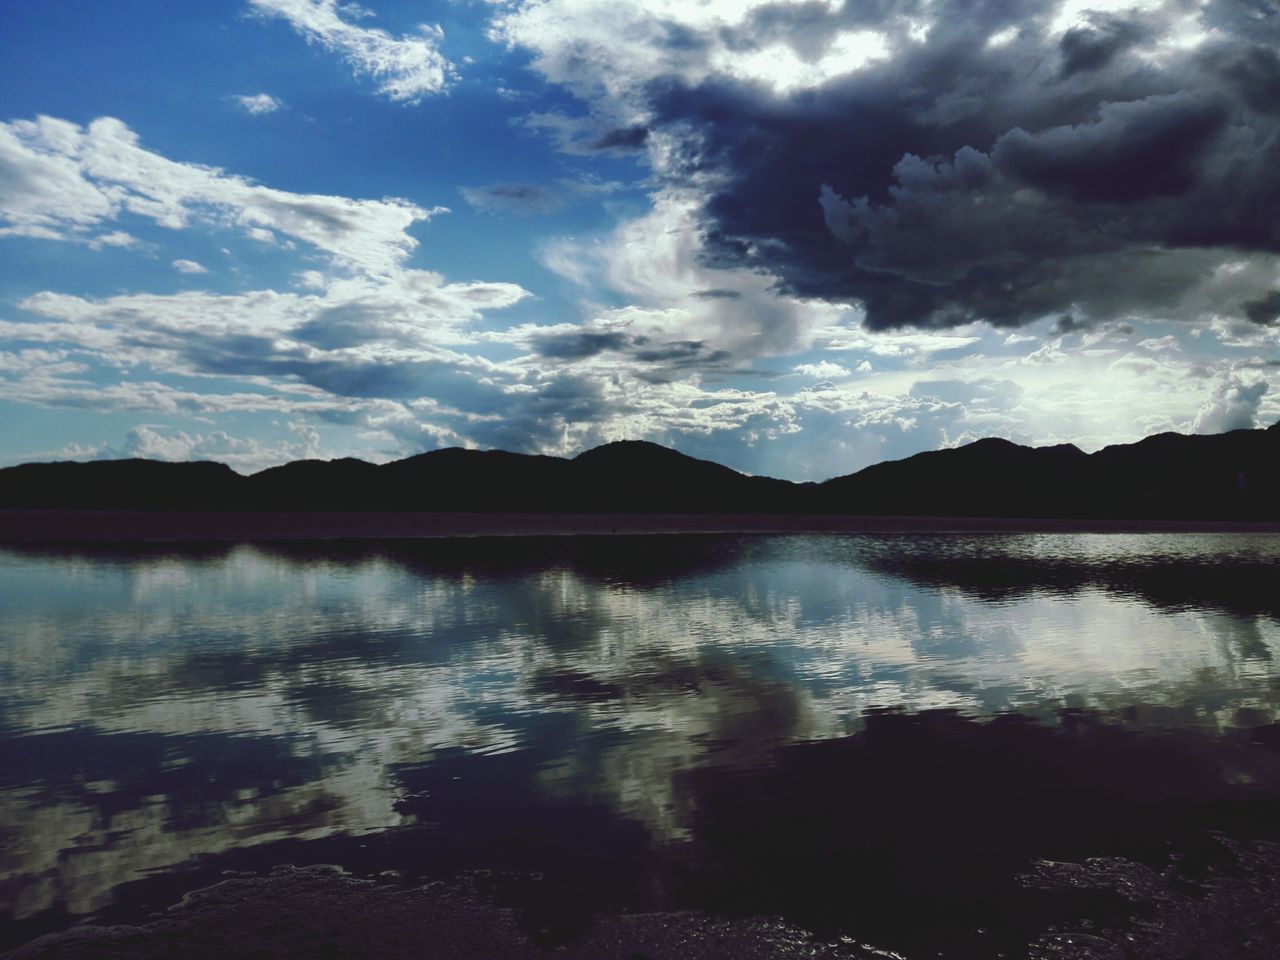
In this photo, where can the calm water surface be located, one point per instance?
(842, 729)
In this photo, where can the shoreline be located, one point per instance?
(80, 526)
(322, 911)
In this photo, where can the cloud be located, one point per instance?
(1095, 45)
(587, 135)
(1264, 311)
(529, 199)
(622, 139)
(407, 68)
(522, 199)
(409, 318)
(343, 356)
(259, 103)
(61, 181)
(188, 266)
(855, 194)
(1233, 405)
(43, 190)
(579, 344)
(246, 454)
(116, 238)
(218, 445)
(653, 262)
(824, 370)
(616, 49)
(1128, 152)
(1104, 165)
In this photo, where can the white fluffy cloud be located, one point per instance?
(822, 370)
(654, 261)
(616, 48)
(407, 68)
(189, 266)
(1233, 405)
(219, 445)
(258, 103)
(43, 190)
(410, 317)
(59, 180)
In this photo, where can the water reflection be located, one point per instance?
(658, 721)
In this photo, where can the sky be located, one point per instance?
(796, 238)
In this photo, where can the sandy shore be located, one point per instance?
(54, 526)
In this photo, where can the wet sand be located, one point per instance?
(67, 526)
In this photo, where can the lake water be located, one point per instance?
(849, 731)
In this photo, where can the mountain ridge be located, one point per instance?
(1233, 475)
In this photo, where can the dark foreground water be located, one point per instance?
(915, 741)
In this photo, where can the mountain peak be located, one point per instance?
(634, 451)
(628, 446)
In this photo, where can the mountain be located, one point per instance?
(123, 485)
(1169, 476)
(629, 476)
(632, 471)
(988, 477)
(1232, 475)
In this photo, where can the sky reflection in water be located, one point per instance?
(590, 705)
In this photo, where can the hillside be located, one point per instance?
(1169, 476)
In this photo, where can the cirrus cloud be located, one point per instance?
(408, 68)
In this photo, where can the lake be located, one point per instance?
(888, 737)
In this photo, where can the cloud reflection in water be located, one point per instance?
(166, 705)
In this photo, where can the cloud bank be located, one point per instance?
(941, 163)
(850, 232)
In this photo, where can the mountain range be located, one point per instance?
(1232, 475)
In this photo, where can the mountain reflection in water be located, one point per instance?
(851, 731)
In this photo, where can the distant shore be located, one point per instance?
(69, 526)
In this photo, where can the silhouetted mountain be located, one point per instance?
(1167, 476)
(123, 485)
(310, 484)
(633, 471)
(1170, 476)
(988, 477)
(618, 477)
(475, 480)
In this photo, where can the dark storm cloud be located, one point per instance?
(1265, 311)
(624, 138)
(1093, 172)
(579, 346)
(1095, 46)
(678, 351)
(1069, 324)
(1130, 152)
(656, 361)
(1253, 71)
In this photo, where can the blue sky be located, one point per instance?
(794, 237)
